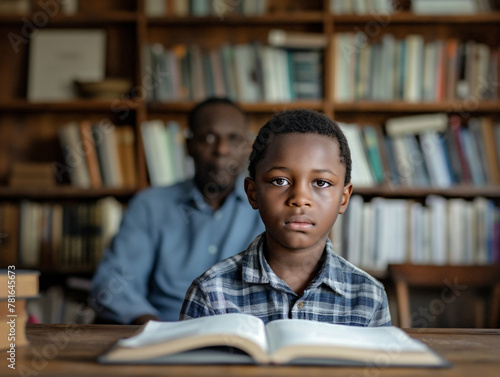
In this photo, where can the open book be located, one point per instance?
(244, 339)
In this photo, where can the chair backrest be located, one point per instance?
(447, 277)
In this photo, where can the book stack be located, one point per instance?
(244, 72)
(98, 155)
(15, 6)
(32, 174)
(16, 287)
(66, 235)
(440, 231)
(412, 69)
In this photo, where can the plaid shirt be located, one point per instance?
(245, 283)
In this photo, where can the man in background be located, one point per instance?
(170, 235)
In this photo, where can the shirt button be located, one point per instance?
(300, 305)
(218, 215)
(212, 249)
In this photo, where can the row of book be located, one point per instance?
(244, 72)
(97, 155)
(430, 7)
(68, 7)
(221, 8)
(103, 155)
(165, 148)
(429, 150)
(362, 7)
(413, 69)
(204, 8)
(64, 235)
(459, 6)
(440, 231)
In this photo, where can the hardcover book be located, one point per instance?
(244, 339)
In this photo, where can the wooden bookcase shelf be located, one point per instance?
(64, 192)
(257, 107)
(419, 107)
(80, 20)
(29, 131)
(240, 20)
(403, 18)
(23, 106)
(463, 191)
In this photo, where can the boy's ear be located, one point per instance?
(345, 197)
(250, 189)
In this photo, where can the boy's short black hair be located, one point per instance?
(303, 121)
(209, 102)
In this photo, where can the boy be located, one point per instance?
(300, 171)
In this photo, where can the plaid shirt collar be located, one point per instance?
(255, 269)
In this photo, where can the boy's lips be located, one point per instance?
(299, 222)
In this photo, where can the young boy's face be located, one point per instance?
(299, 189)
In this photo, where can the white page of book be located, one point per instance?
(290, 332)
(245, 326)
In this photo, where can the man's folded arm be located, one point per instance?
(119, 291)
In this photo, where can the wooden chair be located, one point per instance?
(447, 277)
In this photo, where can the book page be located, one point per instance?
(224, 330)
(286, 333)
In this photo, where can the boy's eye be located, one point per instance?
(279, 182)
(322, 184)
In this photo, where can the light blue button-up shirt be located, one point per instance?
(168, 237)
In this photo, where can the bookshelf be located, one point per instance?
(29, 130)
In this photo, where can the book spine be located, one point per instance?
(488, 142)
(85, 128)
(443, 231)
(455, 128)
(9, 227)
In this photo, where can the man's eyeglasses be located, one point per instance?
(211, 139)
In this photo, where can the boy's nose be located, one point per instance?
(300, 197)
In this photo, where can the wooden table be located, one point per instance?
(71, 350)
